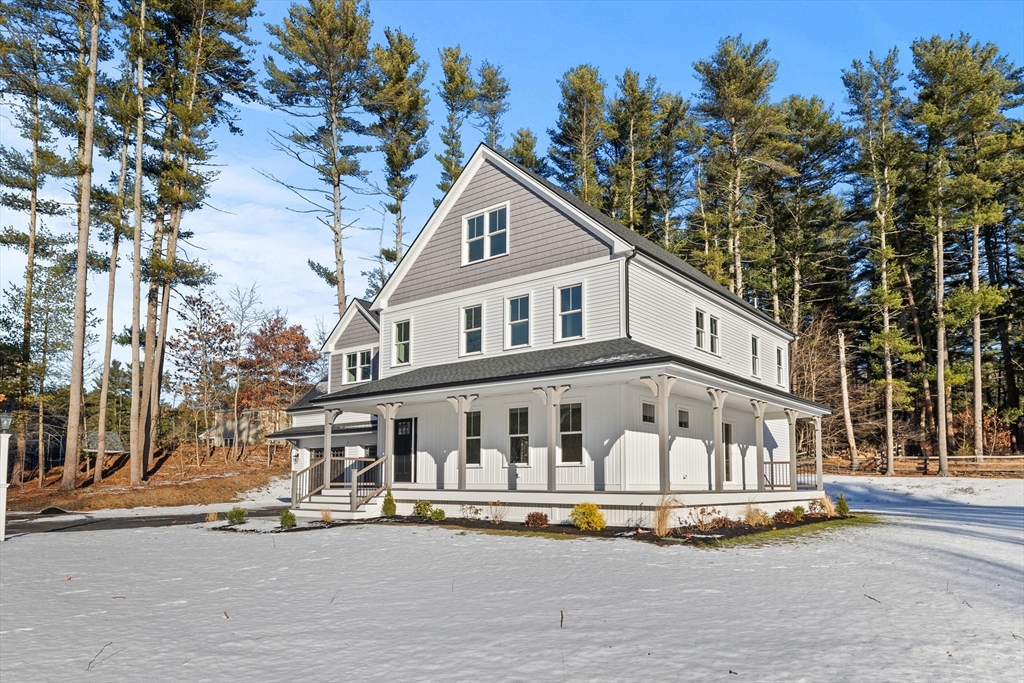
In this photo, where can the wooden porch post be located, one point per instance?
(759, 407)
(329, 417)
(718, 403)
(819, 478)
(551, 396)
(661, 387)
(791, 417)
(461, 403)
(387, 412)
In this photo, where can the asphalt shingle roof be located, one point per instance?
(557, 360)
(306, 400)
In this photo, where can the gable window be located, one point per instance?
(699, 325)
(570, 311)
(684, 419)
(473, 438)
(755, 360)
(778, 365)
(358, 366)
(403, 343)
(570, 428)
(519, 436)
(486, 235)
(647, 413)
(472, 329)
(519, 321)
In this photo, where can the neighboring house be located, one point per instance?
(529, 348)
(226, 430)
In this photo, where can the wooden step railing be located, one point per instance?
(307, 482)
(367, 483)
(362, 484)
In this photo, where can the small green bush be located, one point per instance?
(388, 508)
(842, 506)
(287, 519)
(437, 515)
(587, 517)
(784, 517)
(237, 515)
(799, 512)
(536, 519)
(422, 508)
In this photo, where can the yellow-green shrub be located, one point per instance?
(587, 517)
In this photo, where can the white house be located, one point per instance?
(530, 349)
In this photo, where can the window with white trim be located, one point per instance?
(755, 358)
(486, 235)
(519, 436)
(403, 343)
(473, 438)
(647, 412)
(683, 418)
(778, 365)
(570, 431)
(358, 366)
(713, 324)
(519, 321)
(727, 447)
(472, 329)
(698, 324)
(570, 312)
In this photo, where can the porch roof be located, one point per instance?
(318, 430)
(560, 360)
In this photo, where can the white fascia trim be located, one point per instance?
(482, 154)
(717, 301)
(342, 325)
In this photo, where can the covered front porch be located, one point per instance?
(626, 436)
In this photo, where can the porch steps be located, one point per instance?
(338, 502)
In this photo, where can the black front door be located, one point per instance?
(405, 446)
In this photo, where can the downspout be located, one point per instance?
(626, 278)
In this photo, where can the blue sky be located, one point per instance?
(253, 237)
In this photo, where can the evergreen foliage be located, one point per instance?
(458, 92)
(388, 508)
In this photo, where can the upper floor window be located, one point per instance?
(707, 331)
(778, 365)
(519, 436)
(486, 235)
(473, 438)
(403, 343)
(472, 329)
(358, 366)
(570, 311)
(519, 321)
(755, 359)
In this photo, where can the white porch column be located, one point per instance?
(759, 407)
(461, 404)
(718, 403)
(661, 387)
(387, 412)
(551, 396)
(329, 417)
(791, 417)
(819, 478)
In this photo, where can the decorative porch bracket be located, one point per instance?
(329, 417)
(551, 396)
(791, 418)
(759, 408)
(717, 404)
(661, 387)
(819, 480)
(387, 412)
(461, 404)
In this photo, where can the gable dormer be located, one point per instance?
(354, 346)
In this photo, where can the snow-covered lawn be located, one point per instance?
(934, 593)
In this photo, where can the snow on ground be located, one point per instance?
(934, 593)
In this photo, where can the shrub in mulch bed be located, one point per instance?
(726, 529)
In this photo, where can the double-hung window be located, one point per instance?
(778, 365)
(486, 235)
(472, 329)
(699, 325)
(727, 447)
(570, 311)
(358, 366)
(403, 343)
(713, 325)
(755, 358)
(519, 436)
(473, 438)
(519, 321)
(570, 428)
(684, 419)
(647, 413)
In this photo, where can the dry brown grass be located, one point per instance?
(212, 516)
(755, 516)
(326, 516)
(828, 506)
(663, 512)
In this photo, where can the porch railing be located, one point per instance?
(307, 482)
(362, 483)
(776, 475)
(806, 473)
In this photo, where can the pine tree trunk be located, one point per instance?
(928, 414)
(74, 436)
(136, 442)
(337, 227)
(940, 377)
(979, 435)
(795, 323)
(850, 439)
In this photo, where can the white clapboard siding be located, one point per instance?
(316, 417)
(436, 326)
(662, 313)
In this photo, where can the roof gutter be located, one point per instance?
(626, 290)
